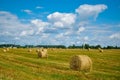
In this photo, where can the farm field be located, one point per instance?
(19, 64)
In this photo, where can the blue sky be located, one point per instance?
(60, 22)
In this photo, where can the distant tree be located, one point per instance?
(109, 47)
(72, 47)
(98, 46)
(51, 46)
(86, 46)
(112, 47)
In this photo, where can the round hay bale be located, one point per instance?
(7, 49)
(4, 50)
(42, 53)
(45, 50)
(29, 50)
(88, 49)
(81, 63)
(100, 50)
(37, 50)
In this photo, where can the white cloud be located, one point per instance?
(81, 29)
(86, 38)
(81, 26)
(62, 19)
(17, 38)
(45, 35)
(86, 10)
(59, 28)
(61, 35)
(41, 25)
(27, 11)
(115, 36)
(68, 33)
(10, 25)
(39, 7)
(23, 33)
(58, 24)
(6, 33)
(12, 29)
(6, 18)
(26, 33)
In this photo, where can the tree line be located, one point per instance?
(85, 46)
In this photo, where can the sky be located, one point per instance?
(60, 22)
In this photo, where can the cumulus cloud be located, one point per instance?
(7, 18)
(41, 25)
(26, 33)
(11, 28)
(58, 24)
(59, 28)
(9, 23)
(81, 26)
(62, 19)
(61, 35)
(87, 10)
(115, 36)
(81, 29)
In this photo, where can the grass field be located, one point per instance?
(19, 64)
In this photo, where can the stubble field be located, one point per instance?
(19, 64)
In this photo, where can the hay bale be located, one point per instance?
(7, 49)
(100, 50)
(42, 53)
(4, 50)
(81, 63)
(37, 50)
(88, 49)
(30, 50)
(45, 50)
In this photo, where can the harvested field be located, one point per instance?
(19, 64)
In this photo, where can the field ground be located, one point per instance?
(19, 64)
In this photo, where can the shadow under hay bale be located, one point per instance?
(37, 50)
(100, 50)
(30, 50)
(81, 63)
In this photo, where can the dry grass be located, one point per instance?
(19, 64)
